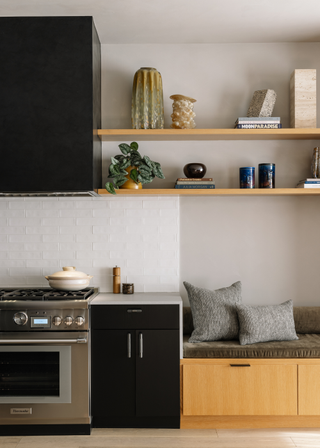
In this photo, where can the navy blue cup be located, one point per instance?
(267, 175)
(247, 177)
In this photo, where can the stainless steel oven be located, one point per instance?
(44, 364)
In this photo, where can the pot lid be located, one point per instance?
(68, 273)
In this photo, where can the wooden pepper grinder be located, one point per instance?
(116, 280)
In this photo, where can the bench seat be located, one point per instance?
(308, 346)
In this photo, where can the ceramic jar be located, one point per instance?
(182, 115)
(69, 279)
(147, 110)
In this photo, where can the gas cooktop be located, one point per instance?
(43, 294)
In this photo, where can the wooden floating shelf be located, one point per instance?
(217, 192)
(208, 134)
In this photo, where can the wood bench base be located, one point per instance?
(250, 393)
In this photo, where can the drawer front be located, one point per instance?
(226, 390)
(134, 317)
(309, 390)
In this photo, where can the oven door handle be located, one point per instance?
(44, 341)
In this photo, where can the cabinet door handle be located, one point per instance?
(129, 345)
(240, 365)
(140, 345)
(135, 310)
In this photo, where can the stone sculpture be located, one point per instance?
(262, 103)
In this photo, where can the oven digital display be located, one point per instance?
(43, 322)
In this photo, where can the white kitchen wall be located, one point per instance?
(38, 236)
(271, 244)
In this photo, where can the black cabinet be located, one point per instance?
(135, 366)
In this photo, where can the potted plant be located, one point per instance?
(131, 165)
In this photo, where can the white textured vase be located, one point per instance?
(182, 115)
(147, 100)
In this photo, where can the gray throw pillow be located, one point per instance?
(266, 323)
(214, 313)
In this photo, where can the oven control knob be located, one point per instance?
(68, 320)
(79, 321)
(20, 318)
(56, 321)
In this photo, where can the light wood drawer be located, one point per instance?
(309, 390)
(225, 390)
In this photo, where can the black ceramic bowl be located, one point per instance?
(195, 170)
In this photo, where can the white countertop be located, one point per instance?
(138, 298)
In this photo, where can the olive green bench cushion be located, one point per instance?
(307, 324)
(308, 346)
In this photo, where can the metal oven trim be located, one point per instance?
(64, 371)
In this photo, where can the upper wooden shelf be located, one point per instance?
(218, 192)
(208, 134)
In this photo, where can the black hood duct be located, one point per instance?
(50, 106)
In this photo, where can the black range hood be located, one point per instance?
(50, 106)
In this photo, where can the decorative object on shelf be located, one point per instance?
(262, 103)
(303, 99)
(204, 183)
(315, 164)
(127, 288)
(182, 115)
(147, 100)
(247, 177)
(195, 170)
(258, 123)
(116, 280)
(309, 183)
(131, 169)
(267, 175)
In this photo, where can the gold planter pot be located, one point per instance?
(130, 184)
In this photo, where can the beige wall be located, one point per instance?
(270, 244)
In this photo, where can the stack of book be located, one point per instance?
(258, 123)
(309, 183)
(204, 183)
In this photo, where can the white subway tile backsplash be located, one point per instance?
(42, 213)
(38, 236)
(12, 213)
(58, 222)
(24, 204)
(58, 238)
(72, 230)
(92, 238)
(48, 230)
(25, 238)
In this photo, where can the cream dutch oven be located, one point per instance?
(69, 279)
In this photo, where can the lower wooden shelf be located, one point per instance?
(218, 192)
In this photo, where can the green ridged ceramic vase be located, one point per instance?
(147, 100)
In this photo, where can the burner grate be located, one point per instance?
(44, 294)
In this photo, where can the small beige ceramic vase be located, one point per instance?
(183, 115)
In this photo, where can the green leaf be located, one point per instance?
(145, 179)
(124, 148)
(157, 170)
(125, 163)
(114, 170)
(134, 175)
(148, 161)
(145, 170)
(114, 161)
(134, 146)
(110, 188)
(119, 157)
(120, 181)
